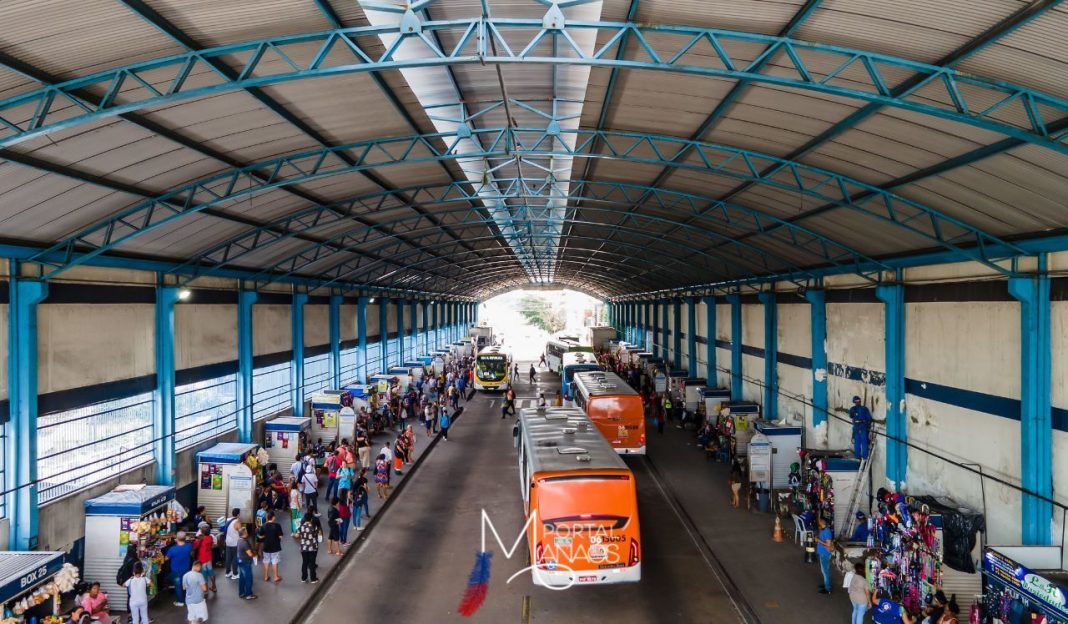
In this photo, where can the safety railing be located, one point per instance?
(270, 390)
(204, 410)
(81, 447)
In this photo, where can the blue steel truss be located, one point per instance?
(1013, 110)
(820, 249)
(505, 145)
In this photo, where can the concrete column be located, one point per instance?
(335, 342)
(691, 335)
(402, 343)
(20, 444)
(654, 311)
(437, 324)
(383, 334)
(817, 300)
(736, 346)
(665, 338)
(413, 329)
(893, 298)
(426, 328)
(676, 335)
(361, 340)
(245, 367)
(164, 416)
(646, 325)
(771, 355)
(710, 350)
(296, 392)
(1036, 424)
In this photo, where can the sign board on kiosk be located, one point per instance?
(242, 484)
(760, 458)
(1044, 594)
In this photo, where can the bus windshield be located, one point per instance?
(491, 367)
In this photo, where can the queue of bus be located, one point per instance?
(579, 496)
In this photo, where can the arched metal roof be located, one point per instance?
(459, 147)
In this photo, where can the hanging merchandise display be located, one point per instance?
(138, 517)
(817, 480)
(1024, 584)
(31, 585)
(907, 543)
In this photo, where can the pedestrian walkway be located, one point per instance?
(773, 577)
(279, 602)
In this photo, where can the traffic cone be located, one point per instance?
(776, 535)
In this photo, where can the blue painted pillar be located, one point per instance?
(164, 416)
(296, 392)
(20, 444)
(402, 343)
(413, 329)
(437, 324)
(771, 355)
(691, 335)
(736, 346)
(817, 300)
(632, 318)
(893, 298)
(665, 335)
(361, 340)
(245, 300)
(610, 313)
(335, 342)
(676, 336)
(1036, 425)
(426, 328)
(647, 325)
(654, 311)
(710, 350)
(383, 334)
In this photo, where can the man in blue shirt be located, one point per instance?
(180, 556)
(886, 611)
(824, 548)
(860, 533)
(861, 418)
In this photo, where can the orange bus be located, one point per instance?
(614, 407)
(580, 499)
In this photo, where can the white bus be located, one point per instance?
(557, 347)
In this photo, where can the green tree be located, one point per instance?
(539, 312)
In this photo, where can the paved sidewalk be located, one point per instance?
(779, 586)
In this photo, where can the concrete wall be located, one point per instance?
(795, 382)
(752, 366)
(204, 334)
(271, 328)
(82, 345)
(723, 354)
(348, 322)
(962, 383)
(316, 325)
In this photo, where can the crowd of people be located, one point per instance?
(348, 470)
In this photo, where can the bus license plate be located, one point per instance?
(587, 579)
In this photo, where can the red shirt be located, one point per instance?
(203, 547)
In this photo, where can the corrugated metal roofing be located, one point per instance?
(92, 171)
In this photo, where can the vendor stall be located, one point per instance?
(693, 387)
(404, 377)
(324, 410)
(677, 381)
(380, 385)
(227, 476)
(284, 438)
(137, 516)
(713, 399)
(736, 420)
(915, 547)
(818, 478)
(416, 370)
(785, 442)
(30, 585)
(1025, 584)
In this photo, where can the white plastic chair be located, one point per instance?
(800, 532)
